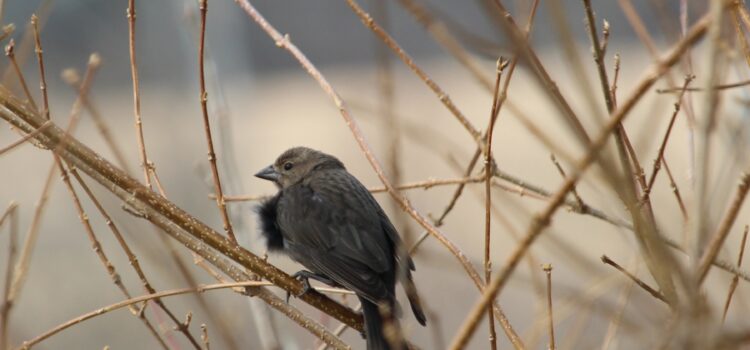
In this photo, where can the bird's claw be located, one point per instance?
(304, 278)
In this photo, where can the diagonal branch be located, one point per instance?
(132, 191)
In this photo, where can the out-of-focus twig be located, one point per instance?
(10, 212)
(735, 278)
(717, 87)
(23, 139)
(10, 52)
(662, 148)
(675, 189)
(436, 89)
(615, 78)
(560, 170)
(131, 301)
(42, 76)
(488, 161)
(71, 78)
(527, 53)
(615, 321)
(656, 294)
(717, 239)
(551, 322)
(426, 185)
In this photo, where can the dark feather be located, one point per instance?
(268, 224)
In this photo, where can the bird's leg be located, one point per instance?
(304, 276)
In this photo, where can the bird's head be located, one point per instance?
(295, 164)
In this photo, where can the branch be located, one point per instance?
(133, 192)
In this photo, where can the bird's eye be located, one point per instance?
(288, 165)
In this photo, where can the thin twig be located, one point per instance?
(97, 247)
(23, 139)
(40, 58)
(26, 43)
(662, 148)
(629, 163)
(145, 164)
(72, 78)
(551, 323)
(717, 239)
(717, 87)
(203, 6)
(32, 234)
(426, 185)
(699, 229)
(675, 189)
(488, 160)
(10, 51)
(439, 92)
(10, 212)
(440, 33)
(132, 259)
(571, 54)
(562, 173)
(656, 294)
(613, 88)
(735, 278)
(204, 337)
(124, 303)
(614, 323)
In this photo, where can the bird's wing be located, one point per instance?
(335, 229)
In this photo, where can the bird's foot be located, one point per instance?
(304, 277)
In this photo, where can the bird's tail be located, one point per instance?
(416, 304)
(375, 324)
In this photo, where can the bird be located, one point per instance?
(326, 220)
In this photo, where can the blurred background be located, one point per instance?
(262, 103)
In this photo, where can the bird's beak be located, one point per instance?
(268, 173)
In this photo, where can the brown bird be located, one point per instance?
(325, 219)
